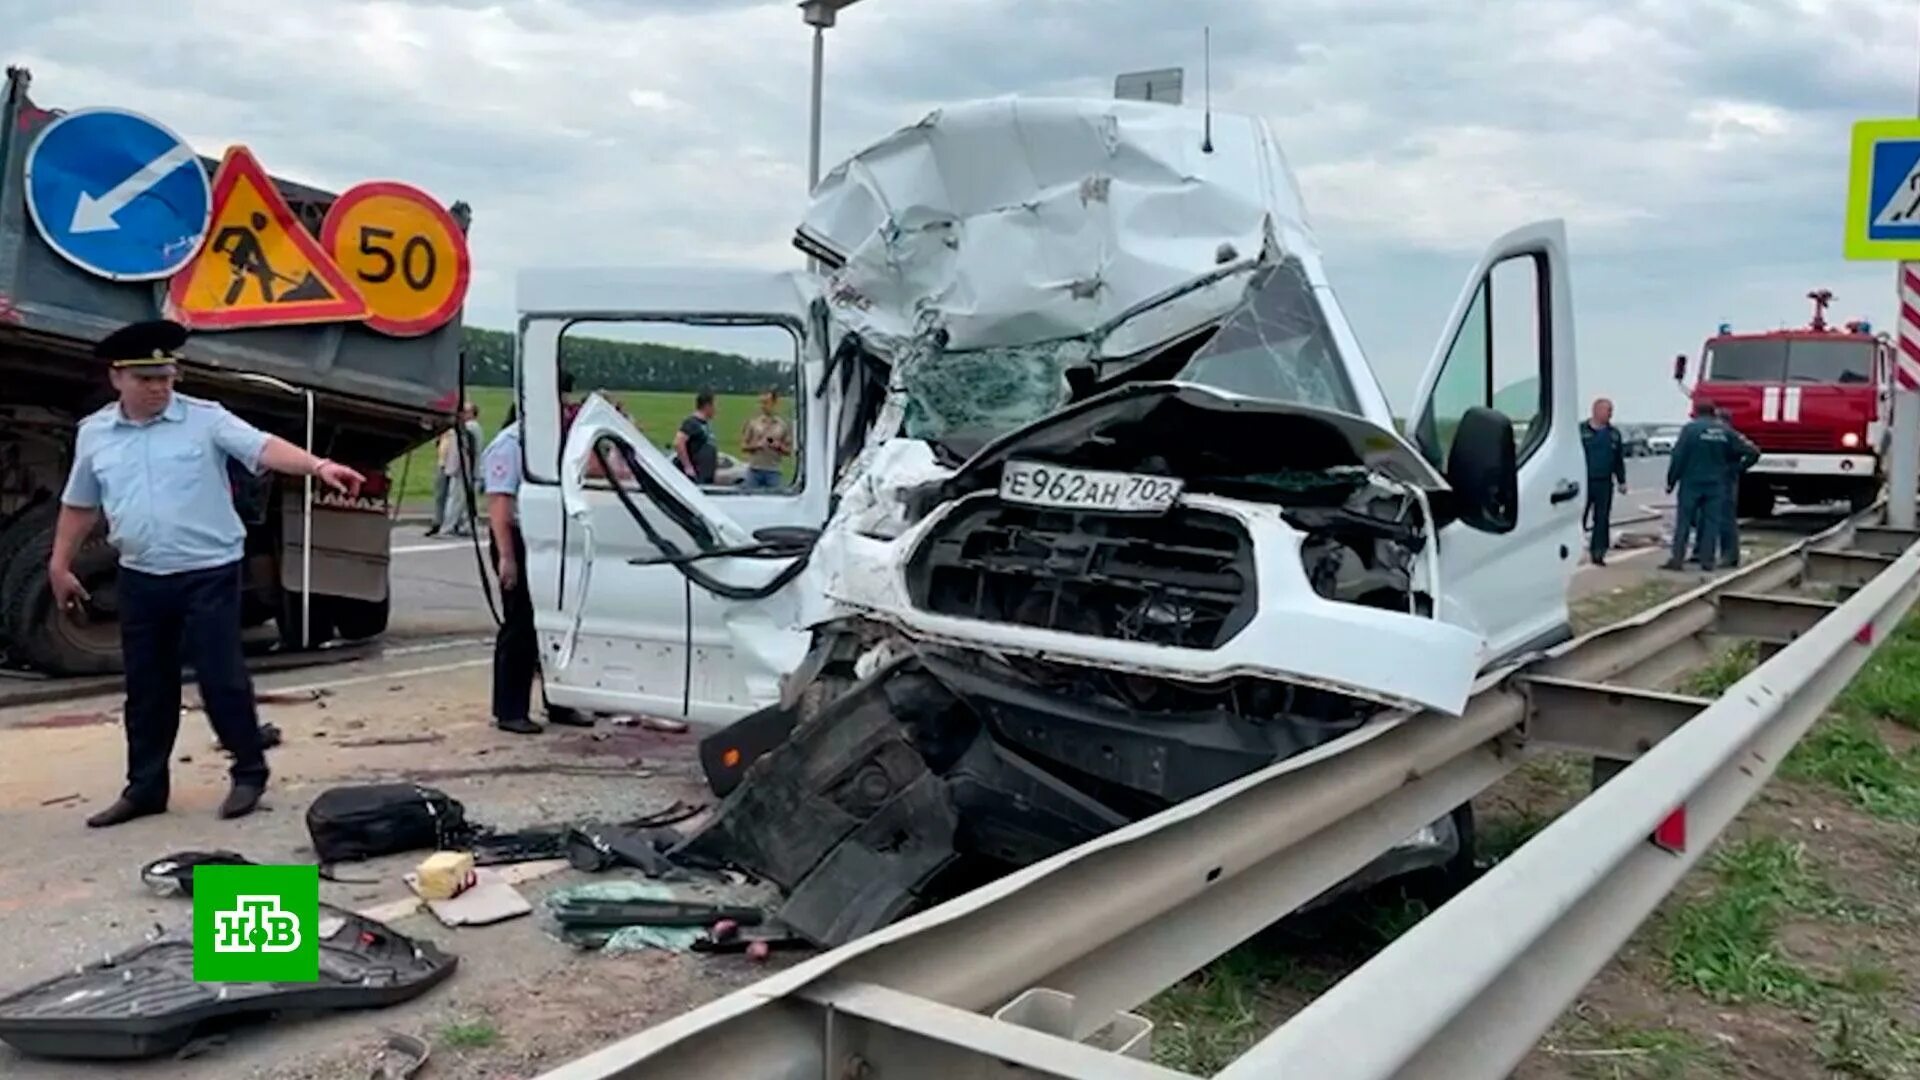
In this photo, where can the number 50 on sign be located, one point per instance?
(404, 254)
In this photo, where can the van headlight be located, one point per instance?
(1850, 440)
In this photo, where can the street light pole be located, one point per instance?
(813, 136)
(821, 15)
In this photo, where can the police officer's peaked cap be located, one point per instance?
(147, 347)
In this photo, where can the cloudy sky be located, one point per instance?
(1697, 148)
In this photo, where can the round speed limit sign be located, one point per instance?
(403, 252)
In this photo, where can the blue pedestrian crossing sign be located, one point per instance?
(1883, 191)
(118, 194)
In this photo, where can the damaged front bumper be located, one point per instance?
(941, 766)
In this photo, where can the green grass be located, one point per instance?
(1724, 944)
(1723, 671)
(658, 414)
(1207, 1020)
(469, 1035)
(1616, 1052)
(1846, 751)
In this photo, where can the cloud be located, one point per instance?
(1697, 150)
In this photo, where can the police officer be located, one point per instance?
(516, 649)
(1606, 469)
(155, 462)
(1702, 458)
(1744, 456)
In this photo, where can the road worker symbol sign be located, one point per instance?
(1883, 191)
(403, 252)
(260, 267)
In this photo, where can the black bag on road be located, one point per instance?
(347, 823)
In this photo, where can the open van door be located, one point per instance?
(653, 594)
(1508, 346)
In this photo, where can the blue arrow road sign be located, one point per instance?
(118, 194)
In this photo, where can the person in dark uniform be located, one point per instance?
(1701, 459)
(1744, 455)
(155, 463)
(1606, 470)
(516, 648)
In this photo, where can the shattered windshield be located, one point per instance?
(1276, 346)
(988, 392)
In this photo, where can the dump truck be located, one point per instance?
(374, 398)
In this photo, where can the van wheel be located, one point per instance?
(358, 620)
(83, 642)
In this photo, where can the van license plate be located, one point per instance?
(1035, 484)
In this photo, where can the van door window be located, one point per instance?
(1499, 359)
(720, 397)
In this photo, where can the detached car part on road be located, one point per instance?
(1099, 505)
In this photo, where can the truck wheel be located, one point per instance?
(1754, 501)
(289, 621)
(358, 620)
(14, 536)
(86, 642)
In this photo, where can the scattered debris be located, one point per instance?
(290, 697)
(652, 723)
(443, 875)
(490, 899)
(60, 799)
(392, 740)
(594, 847)
(71, 720)
(86, 1012)
(629, 916)
(172, 875)
(399, 1057)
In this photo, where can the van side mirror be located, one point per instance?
(1680, 368)
(1484, 471)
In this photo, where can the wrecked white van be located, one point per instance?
(1098, 502)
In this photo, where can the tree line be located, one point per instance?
(598, 363)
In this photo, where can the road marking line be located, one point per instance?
(416, 549)
(435, 646)
(388, 676)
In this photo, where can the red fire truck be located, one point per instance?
(1816, 401)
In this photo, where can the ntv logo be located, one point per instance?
(256, 924)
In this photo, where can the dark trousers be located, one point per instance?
(516, 649)
(1698, 516)
(165, 619)
(1730, 524)
(1600, 514)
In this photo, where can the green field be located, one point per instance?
(658, 414)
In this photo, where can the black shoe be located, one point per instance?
(1599, 560)
(569, 717)
(522, 726)
(435, 531)
(241, 801)
(1671, 565)
(122, 811)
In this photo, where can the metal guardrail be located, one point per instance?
(1099, 929)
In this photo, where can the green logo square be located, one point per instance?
(256, 924)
